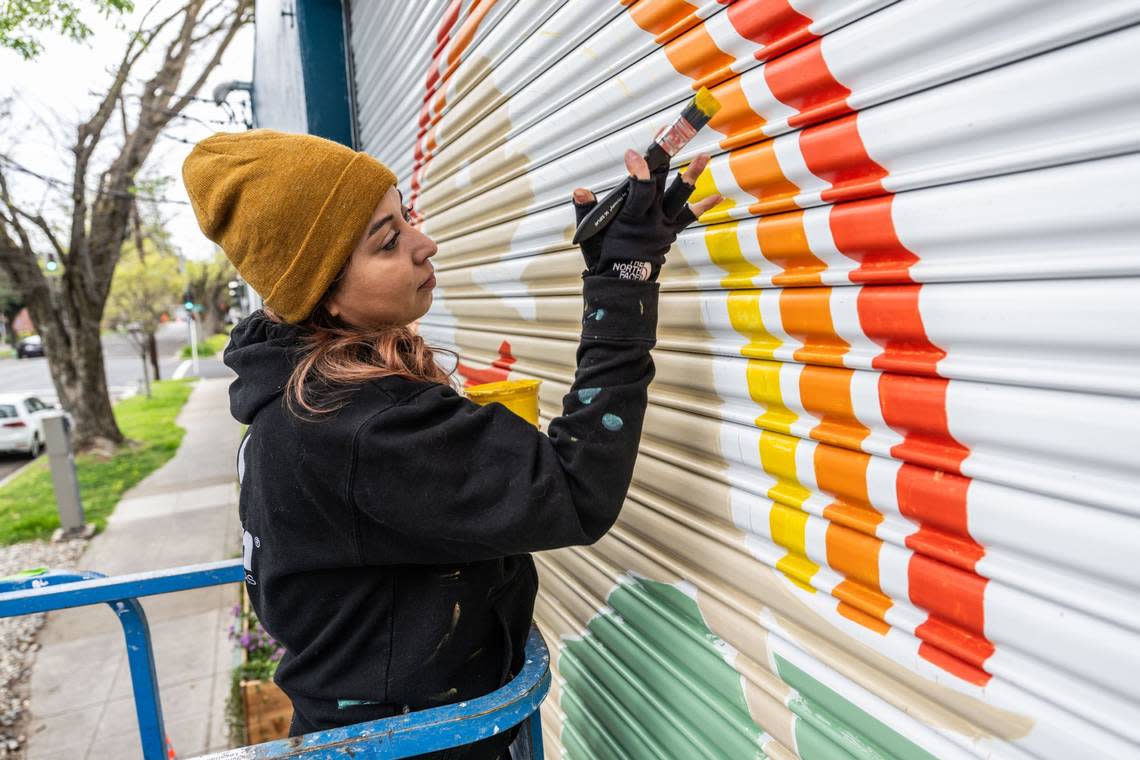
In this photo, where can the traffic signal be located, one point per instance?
(188, 300)
(52, 264)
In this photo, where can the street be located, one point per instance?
(124, 373)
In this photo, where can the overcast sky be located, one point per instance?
(53, 93)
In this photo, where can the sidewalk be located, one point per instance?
(183, 513)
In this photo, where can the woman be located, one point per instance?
(386, 519)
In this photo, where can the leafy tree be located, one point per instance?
(209, 282)
(19, 19)
(67, 304)
(147, 284)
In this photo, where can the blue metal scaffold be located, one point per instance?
(401, 736)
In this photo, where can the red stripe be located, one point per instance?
(916, 408)
(431, 84)
(775, 24)
(933, 498)
(951, 595)
(834, 152)
(865, 231)
(802, 80)
(948, 662)
(937, 501)
(499, 369)
(890, 316)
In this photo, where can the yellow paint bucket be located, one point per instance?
(520, 396)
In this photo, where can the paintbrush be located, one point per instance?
(668, 143)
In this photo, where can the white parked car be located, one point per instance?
(21, 423)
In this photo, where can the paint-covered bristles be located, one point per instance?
(701, 108)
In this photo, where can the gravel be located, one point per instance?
(18, 637)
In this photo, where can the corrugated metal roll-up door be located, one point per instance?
(888, 498)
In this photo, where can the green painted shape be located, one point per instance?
(847, 724)
(691, 645)
(655, 661)
(813, 744)
(611, 688)
(603, 737)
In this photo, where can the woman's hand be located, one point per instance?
(634, 245)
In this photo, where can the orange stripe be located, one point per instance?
(854, 554)
(856, 615)
(843, 474)
(865, 231)
(890, 316)
(806, 314)
(735, 120)
(834, 152)
(696, 56)
(467, 32)
(783, 242)
(659, 16)
(825, 392)
(758, 173)
(870, 602)
(802, 80)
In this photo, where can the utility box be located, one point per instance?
(57, 438)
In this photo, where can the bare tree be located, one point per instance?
(67, 306)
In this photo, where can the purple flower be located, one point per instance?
(245, 640)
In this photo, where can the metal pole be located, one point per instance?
(194, 340)
(146, 374)
(58, 440)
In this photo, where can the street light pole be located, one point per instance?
(193, 339)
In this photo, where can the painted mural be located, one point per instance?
(887, 503)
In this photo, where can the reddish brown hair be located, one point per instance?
(337, 356)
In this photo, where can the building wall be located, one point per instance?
(886, 502)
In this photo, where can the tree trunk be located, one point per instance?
(80, 380)
(211, 321)
(152, 349)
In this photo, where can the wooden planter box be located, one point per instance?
(268, 711)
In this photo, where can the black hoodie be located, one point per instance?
(386, 544)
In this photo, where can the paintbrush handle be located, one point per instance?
(602, 214)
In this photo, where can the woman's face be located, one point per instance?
(388, 279)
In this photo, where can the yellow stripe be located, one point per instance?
(789, 528)
(764, 388)
(777, 452)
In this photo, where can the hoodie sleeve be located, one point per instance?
(440, 479)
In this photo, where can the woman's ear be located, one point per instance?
(332, 307)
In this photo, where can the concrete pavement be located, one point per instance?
(183, 513)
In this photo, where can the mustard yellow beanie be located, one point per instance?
(287, 209)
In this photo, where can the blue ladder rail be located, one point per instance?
(396, 737)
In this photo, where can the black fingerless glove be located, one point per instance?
(634, 245)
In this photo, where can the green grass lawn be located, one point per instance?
(27, 502)
(208, 347)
